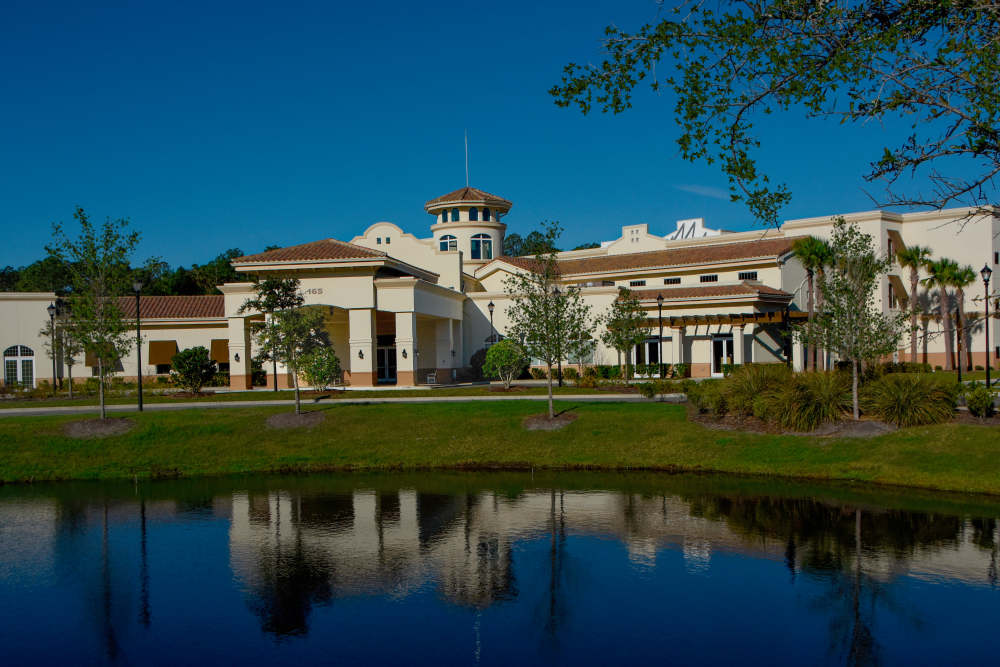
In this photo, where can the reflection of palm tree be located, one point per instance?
(144, 609)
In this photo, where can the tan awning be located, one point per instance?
(220, 350)
(90, 360)
(161, 352)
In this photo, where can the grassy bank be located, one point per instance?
(195, 442)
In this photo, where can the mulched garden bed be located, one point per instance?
(512, 390)
(866, 428)
(98, 428)
(543, 423)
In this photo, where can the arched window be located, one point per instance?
(444, 215)
(482, 247)
(474, 214)
(448, 242)
(454, 215)
(19, 366)
(486, 214)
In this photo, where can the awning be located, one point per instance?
(220, 350)
(161, 352)
(90, 360)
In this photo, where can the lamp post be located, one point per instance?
(986, 273)
(493, 334)
(137, 288)
(958, 344)
(52, 331)
(556, 293)
(659, 342)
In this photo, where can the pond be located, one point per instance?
(498, 569)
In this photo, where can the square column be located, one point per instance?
(406, 349)
(677, 345)
(738, 345)
(240, 351)
(361, 341)
(444, 339)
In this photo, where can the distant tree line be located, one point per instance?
(535, 243)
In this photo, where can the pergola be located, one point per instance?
(734, 319)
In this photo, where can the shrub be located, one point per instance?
(707, 396)
(910, 399)
(537, 374)
(752, 381)
(589, 378)
(980, 367)
(476, 361)
(571, 374)
(321, 368)
(681, 371)
(979, 400)
(809, 400)
(729, 369)
(937, 368)
(614, 373)
(193, 368)
(505, 361)
(647, 389)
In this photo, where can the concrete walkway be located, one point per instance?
(155, 407)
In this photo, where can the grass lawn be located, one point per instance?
(955, 457)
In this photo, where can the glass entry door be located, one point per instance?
(722, 353)
(385, 357)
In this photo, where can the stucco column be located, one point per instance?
(361, 340)
(458, 342)
(406, 349)
(738, 345)
(677, 345)
(444, 345)
(240, 351)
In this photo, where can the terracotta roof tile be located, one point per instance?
(468, 194)
(175, 307)
(700, 254)
(317, 250)
(708, 291)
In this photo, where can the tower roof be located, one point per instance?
(468, 195)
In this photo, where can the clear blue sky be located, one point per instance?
(215, 125)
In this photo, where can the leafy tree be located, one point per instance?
(535, 243)
(193, 368)
(961, 278)
(550, 323)
(853, 325)
(292, 334)
(623, 325)
(321, 367)
(505, 361)
(9, 277)
(219, 270)
(932, 64)
(98, 261)
(814, 254)
(270, 296)
(914, 258)
(51, 274)
(941, 273)
(587, 246)
(59, 343)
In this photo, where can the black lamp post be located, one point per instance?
(958, 344)
(556, 293)
(52, 331)
(659, 342)
(986, 273)
(493, 335)
(137, 288)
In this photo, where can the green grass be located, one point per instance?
(955, 457)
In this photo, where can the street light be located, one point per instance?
(659, 343)
(986, 273)
(556, 293)
(490, 306)
(52, 331)
(137, 288)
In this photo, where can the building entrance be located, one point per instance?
(722, 353)
(385, 356)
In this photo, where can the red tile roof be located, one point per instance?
(708, 291)
(468, 194)
(317, 250)
(175, 307)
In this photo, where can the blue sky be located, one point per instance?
(220, 125)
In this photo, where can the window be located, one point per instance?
(482, 247)
(486, 214)
(586, 353)
(748, 275)
(996, 258)
(892, 297)
(454, 215)
(671, 281)
(474, 213)
(163, 369)
(448, 242)
(444, 216)
(378, 241)
(709, 278)
(637, 283)
(19, 366)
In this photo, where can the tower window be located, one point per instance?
(709, 278)
(444, 216)
(486, 214)
(672, 281)
(748, 275)
(637, 283)
(454, 215)
(448, 242)
(378, 241)
(482, 247)
(474, 214)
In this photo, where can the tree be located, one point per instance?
(535, 243)
(813, 253)
(961, 278)
(932, 64)
(9, 277)
(193, 368)
(219, 270)
(551, 323)
(914, 258)
(98, 262)
(292, 334)
(321, 367)
(623, 324)
(505, 361)
(587, 246)
(270, 296)
(853, 325)
(941, 272)
(50, 274)
(59, 343)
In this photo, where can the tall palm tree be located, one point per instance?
(962, 277)
(824, 258)
(914, 257)
(812, 252)
(941, 272)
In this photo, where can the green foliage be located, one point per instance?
(537, 373)
(910, 399)
(505, 361)
(588, 380)
(752, 382)
(707, 396)
(809, 400)
(477, 361)
(622, 326)
(571, 374)
(681, 371)
(321, 367)
(979, 401)
(193, 368)
(535, 243)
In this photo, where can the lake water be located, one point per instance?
(497, 569)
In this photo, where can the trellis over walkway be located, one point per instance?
(734, 319)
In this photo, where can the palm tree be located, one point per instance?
(960, 279)
(812, 252)
(824, 258)
(941, 272)
(915, 258)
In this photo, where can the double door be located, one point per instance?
(385, 363)
(722, 353)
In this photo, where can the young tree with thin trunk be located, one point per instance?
(293, 334)
(853, 325)
(941, 275)
(960, 279)
(98, 260)
(622, 326)
(505, 361)
(272, 295)
(914, 258)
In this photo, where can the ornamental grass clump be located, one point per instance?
(808, 400)
(750, 383)
(910, 399)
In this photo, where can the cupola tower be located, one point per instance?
(469, 220)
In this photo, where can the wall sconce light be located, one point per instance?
(453, 353)
(361, 354)
(404, 354)
(236, 356)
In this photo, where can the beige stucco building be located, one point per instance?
(407, 310)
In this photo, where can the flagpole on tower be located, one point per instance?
(466, 158)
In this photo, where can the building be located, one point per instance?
(410, 310)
